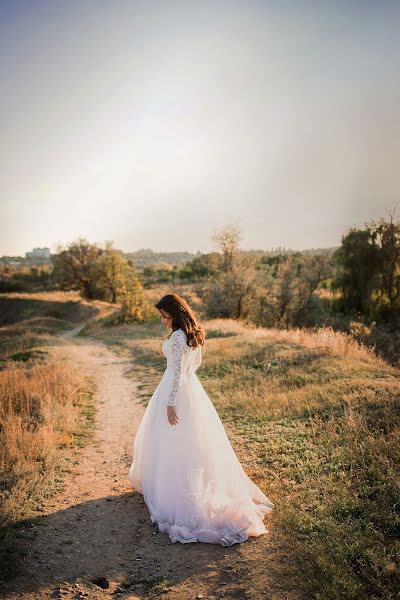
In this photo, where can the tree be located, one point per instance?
(386, 235)
(134, 304)
(314, 269)
(112, 273)
(75, 267)
(231, 277)
(357, 264)
(227, 240)
(285, 291)
(226, 295)
(203, 265)
(102, 273)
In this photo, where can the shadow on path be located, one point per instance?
(112, 541)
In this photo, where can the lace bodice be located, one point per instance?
(181, 360)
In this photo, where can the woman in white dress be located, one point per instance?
(183, 463)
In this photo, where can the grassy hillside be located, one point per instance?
(28, 322)
(315, 419)
(45, 408)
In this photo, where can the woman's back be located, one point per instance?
(180, 356)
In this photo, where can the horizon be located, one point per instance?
(194, 252)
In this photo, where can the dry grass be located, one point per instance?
(323, 338)
(317, 416)
(45, 408)
(320, 414)
(38, 417)
(53, 296)
(62, 306)
(314, 413)
(31, 321)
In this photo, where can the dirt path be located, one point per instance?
(95, 538)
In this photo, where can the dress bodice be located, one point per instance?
(182, 360)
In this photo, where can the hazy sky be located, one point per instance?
(152, 123)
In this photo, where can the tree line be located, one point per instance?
(368, 270)
(358, 280)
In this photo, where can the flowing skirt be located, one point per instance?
(191, 479)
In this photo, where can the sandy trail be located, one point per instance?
(95, 538)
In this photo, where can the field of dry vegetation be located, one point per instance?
(318, 419)
(45, 408)
(315, 413)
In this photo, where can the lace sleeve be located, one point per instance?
(197, 359)
(178, 341)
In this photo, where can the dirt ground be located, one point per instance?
(95, 538)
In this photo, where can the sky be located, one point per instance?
(155, 123)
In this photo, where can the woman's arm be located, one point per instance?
(197, 358)
(178, 341)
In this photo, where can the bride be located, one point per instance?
(183, 463)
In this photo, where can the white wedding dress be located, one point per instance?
(191, 479)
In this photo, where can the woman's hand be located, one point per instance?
(172, 416)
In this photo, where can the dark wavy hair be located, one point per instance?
(183, 317)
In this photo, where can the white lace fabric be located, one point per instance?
(179, 361)
(177, 345)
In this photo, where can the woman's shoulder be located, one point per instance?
(178, 334)
(179, 330)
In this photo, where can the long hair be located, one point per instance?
(183, 317)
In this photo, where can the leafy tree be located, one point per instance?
(386, 236)
(357, 264)
(102, 273)
(112, 273)
(202, 266)
(75, 267)
(134, 306)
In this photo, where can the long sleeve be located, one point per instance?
(178, 341)
(197, 359)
